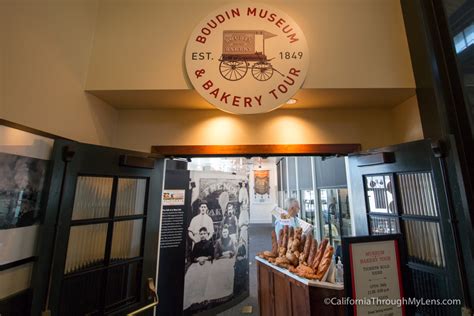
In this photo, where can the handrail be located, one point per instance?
(144, 308)
(152, 289)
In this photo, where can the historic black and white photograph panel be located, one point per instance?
(217, 260)
(21, 183)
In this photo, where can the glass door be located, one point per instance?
(408, 196)
(107, 231)
(104, 251)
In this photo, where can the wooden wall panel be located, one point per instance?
(299, 299)
(265, 290)
(282, 291)
(280, 294)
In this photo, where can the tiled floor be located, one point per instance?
(259, 239)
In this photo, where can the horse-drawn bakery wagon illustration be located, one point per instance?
(239, 49)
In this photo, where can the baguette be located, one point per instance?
(319, 256)
(274, 244)
(280, 237)
(312, 251)
(290, 244)
(325, 262)
(302, 243)
(306, 248)
(285, 237)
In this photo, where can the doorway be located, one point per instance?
(398, 158)
(269, 183)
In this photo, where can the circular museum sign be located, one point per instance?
(247, 58)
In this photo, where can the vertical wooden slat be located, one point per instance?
(282, 293)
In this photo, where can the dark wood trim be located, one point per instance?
(102, 220)
(16, 263)
(255, 150)
(30, 130)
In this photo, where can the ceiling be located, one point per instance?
(306, 98)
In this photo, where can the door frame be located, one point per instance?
(189, 151)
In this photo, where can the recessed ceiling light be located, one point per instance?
(291, 101)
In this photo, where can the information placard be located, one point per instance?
(373, 275)
(174, 219)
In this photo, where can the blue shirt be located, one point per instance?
(279, 225)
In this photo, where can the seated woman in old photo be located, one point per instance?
(203, 250)
(225, 246)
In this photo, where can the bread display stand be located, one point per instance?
(281, 292)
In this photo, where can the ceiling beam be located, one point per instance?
(255, 150)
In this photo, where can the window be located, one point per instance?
(469, 35)
(464, 39)
(459, 43)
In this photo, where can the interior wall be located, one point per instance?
(260, 213)
(2, 56)
(407, 122)
(141, 129)
(353, 44)
(46, 48)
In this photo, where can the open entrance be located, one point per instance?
(244, 189)
(336, 203)
(245, 198)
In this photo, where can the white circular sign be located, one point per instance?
(247, 58)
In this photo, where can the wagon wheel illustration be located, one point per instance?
(262, 71)
(233, 70)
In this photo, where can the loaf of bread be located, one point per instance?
(290, 244)
(280, 238)
(269, 254)
(298, 232)
(292, 258)
(312, 251)
(325, 262)
(319, 256)
(285, 237)
(295, 245)
(302, 243)
(274, 244)
(306, 249)
(282, 262)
